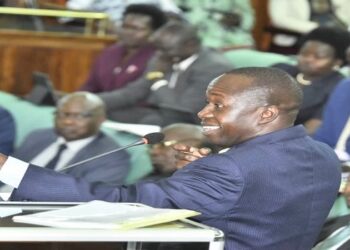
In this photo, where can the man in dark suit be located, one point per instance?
(77, 125)
(162, 154)
(272, 189)
(173, 87)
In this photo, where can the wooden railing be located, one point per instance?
(66, 58)
(89, 17)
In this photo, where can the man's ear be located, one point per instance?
(338, 63)
(268, 114)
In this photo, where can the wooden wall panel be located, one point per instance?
(66, 58)
(261, 22)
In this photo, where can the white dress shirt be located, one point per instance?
(177, 69)
(13, 170)
(73, 147)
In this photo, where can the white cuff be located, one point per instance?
(12, 171)
(342, 155)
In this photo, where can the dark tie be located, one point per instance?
(53, 162)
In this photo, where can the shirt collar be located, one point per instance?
(184, 64)
(76, 144)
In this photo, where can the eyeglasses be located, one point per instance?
(74, 116)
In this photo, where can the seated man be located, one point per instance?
(7, 132)
(77, 126)
(172, 89)
(162, 154)
(272, 189)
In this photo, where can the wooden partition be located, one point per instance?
(66, 58)
(261, 38)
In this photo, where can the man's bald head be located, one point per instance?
(271, 86)
(90, 100)
(249, 102)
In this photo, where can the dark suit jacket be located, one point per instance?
(272, 192)
(110, 169)
(169, 105)
(7, 132)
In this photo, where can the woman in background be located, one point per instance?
(321, 54)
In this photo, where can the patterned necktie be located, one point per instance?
(53, 162)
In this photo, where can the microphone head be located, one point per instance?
(153, 138)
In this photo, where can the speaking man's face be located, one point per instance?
(231, 115)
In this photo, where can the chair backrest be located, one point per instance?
(27, 116)
(43, 92)
(253, 58)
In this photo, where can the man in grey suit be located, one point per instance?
(173, 87)
(77, 126)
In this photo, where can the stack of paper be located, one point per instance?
(101, 214)
(7, 211)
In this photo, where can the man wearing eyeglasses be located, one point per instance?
(75, 137)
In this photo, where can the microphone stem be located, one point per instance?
(101, 155)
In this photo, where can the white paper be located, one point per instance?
(101, 214)
(4, 211)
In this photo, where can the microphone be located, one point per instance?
(150, 139)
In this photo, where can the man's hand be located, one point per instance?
(186, 154)
(3, 158)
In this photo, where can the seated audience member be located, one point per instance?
(77, 126)
(320, 56)
(7, 131)
(299, 17)
(162, 154)
(245, 191)
(222, 24)
(124, 62)
(173, 86)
